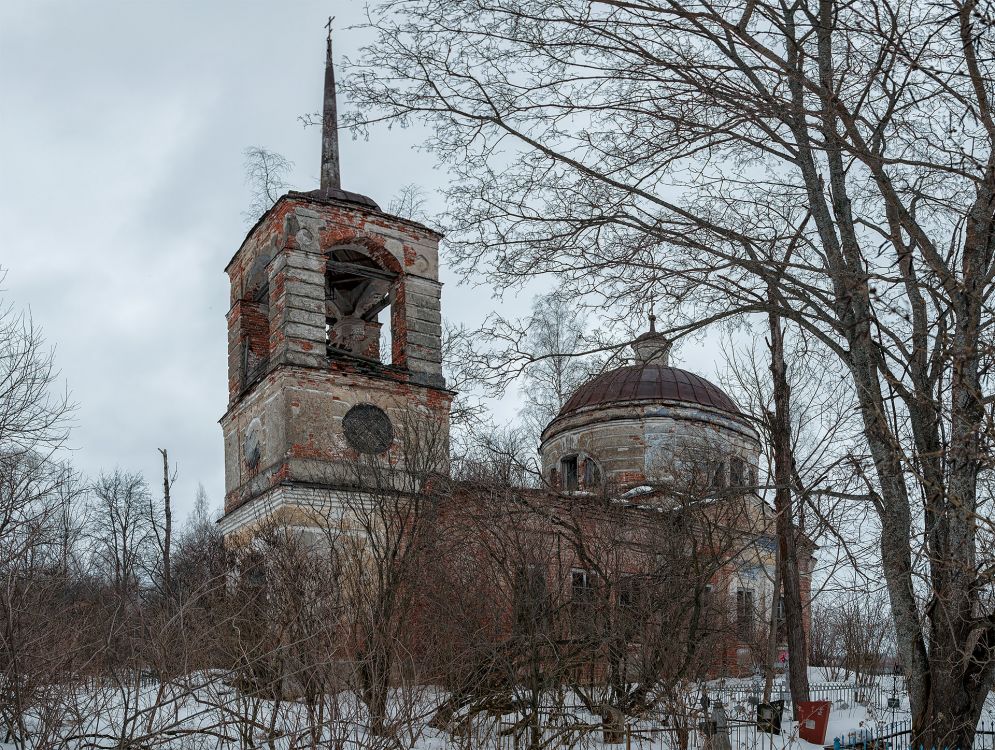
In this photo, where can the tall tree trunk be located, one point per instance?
(772, 634)
(780, 429)
(167, 542)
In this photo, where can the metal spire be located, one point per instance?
(331, 179)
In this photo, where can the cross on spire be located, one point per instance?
(331, 179)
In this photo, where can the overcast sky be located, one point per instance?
(122, 127)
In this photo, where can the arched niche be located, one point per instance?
(255, 314)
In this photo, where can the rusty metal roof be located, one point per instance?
(649, 382)
(347, 196)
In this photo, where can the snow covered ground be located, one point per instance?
(204, 712)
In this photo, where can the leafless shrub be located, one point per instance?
(266, 175)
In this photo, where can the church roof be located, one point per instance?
(649, 381)
(345, 196)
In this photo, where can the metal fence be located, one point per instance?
(898, 736)
(742, 736)
(837, 693)
(569, 726)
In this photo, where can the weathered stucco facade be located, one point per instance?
(646, 441)
(653, 436)
(299, 358)
(316, 284)
(649, 423)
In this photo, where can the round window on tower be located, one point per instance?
(368, 429)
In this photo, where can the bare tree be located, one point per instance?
(387, 517)
(829, 162)
(815, 429)
(266, 175)
(557, 333)
(166, 540)
(42, 641)
(513, 654)
(788, 552)
(539, 597)
(658, 563)
(865, 632)
(465, 374)
(201, 518)
(499, 456)
(852, 636)
(409, 203)
(39, 539)
(124, 529)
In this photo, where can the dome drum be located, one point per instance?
(648, 423)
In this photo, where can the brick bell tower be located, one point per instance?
(317, 286)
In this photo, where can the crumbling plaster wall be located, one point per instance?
(298, 412)
(286, 255)
(638, 442)
(294, 393)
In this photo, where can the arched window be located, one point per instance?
(358, 298)
(592, 473)
(568, 472)
(717, 476)
(255, 322)
(737, 472)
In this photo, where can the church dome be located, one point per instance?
(648, 381)
(647, 422)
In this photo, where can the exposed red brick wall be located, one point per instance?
(560, 559)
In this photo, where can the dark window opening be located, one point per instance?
(631, 605)
(568, 467)
(708, 613)
(582, 595)
(737, 472)
(581, 586)
(592, 473)
(635, 592)
(530, 600)
(717, 476)
(745, 614)
(627, 595)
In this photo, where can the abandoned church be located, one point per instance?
(647, 454)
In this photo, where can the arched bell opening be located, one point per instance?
(360, 297)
